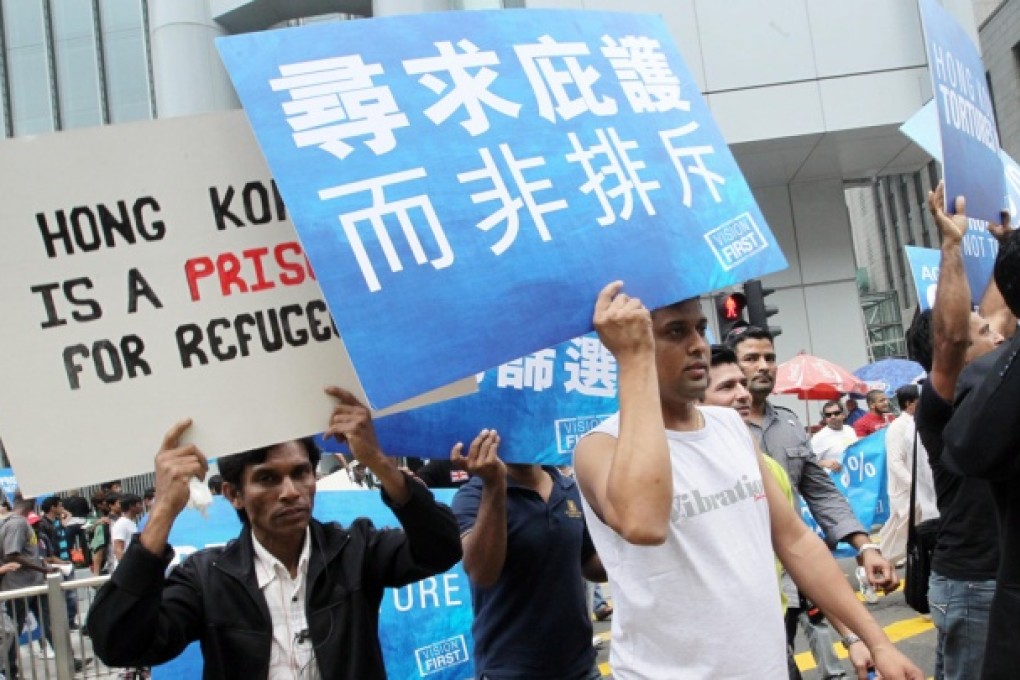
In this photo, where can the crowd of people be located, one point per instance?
(683, 501)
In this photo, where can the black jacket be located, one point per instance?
(141, 618)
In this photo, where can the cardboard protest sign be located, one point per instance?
(969, 138)
(472, 180)
(151, 273)
(424, 628)
(540, 404)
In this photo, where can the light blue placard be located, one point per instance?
(8, 483)
(533, 156)
(540, 404)
(970, 142)
(864, 482)
(924, 267)
(424, 628)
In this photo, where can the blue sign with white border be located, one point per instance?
(924, 267)
(464, 184)
(969, 138)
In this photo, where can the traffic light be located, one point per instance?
(758, 312)
(729, 312)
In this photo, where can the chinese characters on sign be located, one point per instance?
(464, 188)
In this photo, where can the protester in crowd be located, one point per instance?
(126, 526)
(290, 596)
(527, 554)
(899, 459)
(853, 412)
(727, 387)
(669, 490)
(215, 485)
(97, 528)
(829, 443)
(51, 524)
(966, 553)
(779, 434)
(21, 545)
(878, 416)
(982, 440)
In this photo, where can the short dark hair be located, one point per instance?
(49, 503)
(149, 494)
(232, 466)
(741, 333)
(873, 396)
(907, 395)
(216, 484)
(129, 500)
(98, 498)
(1007, 271)
(833, 402)
(920, 338)
(721, 354)
(23, 506)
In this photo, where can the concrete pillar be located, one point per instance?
(188, 76)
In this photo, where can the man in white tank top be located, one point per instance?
(685, 521)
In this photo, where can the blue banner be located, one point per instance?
(864, 483)
(464, 184)
(970, 141)
(540, 404)
(424, 628)
(924, 267)
(8, 483)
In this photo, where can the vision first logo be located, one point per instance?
(736, 241)
(440, 655)
(570, 430)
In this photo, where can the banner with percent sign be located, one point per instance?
(424, 628)
(465, 184)
(864, 483)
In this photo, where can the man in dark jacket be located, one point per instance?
(290, 597)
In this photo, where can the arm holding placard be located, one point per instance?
(628, 480)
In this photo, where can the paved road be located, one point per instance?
(912, 634)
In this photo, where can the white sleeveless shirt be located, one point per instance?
(706, 603)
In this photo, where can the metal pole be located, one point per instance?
(59, 626)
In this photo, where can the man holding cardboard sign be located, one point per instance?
(290, 597)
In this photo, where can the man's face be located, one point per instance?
(982, 338)
(56, 511)
(727, 387)
(277, 494)
(135, 510)
(757, 359)
(681, 353)
(833, 417)
(881, 404)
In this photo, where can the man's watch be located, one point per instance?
(869, 546)
(849, 640)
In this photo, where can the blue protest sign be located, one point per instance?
(970, 141)
(1012, 172)
(924, 267)
(540, 404)
(864, 483)
(424, 628)
(464, 184)
(8, 483)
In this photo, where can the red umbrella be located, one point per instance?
(812, 378)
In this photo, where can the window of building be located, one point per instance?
(124, 35)
(77, 68)
(28, 71)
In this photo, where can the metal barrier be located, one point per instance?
(69, 648)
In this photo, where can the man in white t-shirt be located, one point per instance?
(685, 521)
(829, 443)
(125, 527)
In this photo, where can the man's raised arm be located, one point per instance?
(628, 480)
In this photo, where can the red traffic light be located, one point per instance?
(733, 306)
